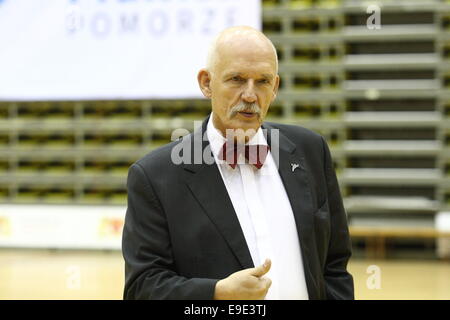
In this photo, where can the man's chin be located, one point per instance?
(243, 129)
(245, 124)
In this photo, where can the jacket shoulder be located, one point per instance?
(159, 159)
(297, 133)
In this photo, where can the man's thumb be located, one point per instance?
(262, 269)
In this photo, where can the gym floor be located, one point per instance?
(55, 274)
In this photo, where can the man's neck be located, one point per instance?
(239, 135)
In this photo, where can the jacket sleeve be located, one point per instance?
(150, 271)
(338, 281)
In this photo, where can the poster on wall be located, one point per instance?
(110, 49)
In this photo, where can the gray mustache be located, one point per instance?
(245, 107)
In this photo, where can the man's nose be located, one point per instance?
(249, 94)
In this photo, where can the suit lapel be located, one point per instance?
(207, 186)
(299, 193)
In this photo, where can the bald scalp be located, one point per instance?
(236, 37)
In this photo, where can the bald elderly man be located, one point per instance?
(258, 215)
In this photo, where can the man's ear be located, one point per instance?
(275, 88)
(204, 81)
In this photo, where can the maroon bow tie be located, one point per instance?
(254, 154)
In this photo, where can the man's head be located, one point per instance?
(241, 78)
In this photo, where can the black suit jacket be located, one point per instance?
(182, 235)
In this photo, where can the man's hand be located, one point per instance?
(248, 284)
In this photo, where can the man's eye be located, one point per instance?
(237, 79)
(263, 81)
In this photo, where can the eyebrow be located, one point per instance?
(233, 74)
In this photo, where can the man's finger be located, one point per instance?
(267, 282)
(262, 269)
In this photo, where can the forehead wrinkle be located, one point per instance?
(255, 66)
(237, 73)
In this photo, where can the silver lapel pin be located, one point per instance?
(294, 166)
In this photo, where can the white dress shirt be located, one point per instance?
(266, 218)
